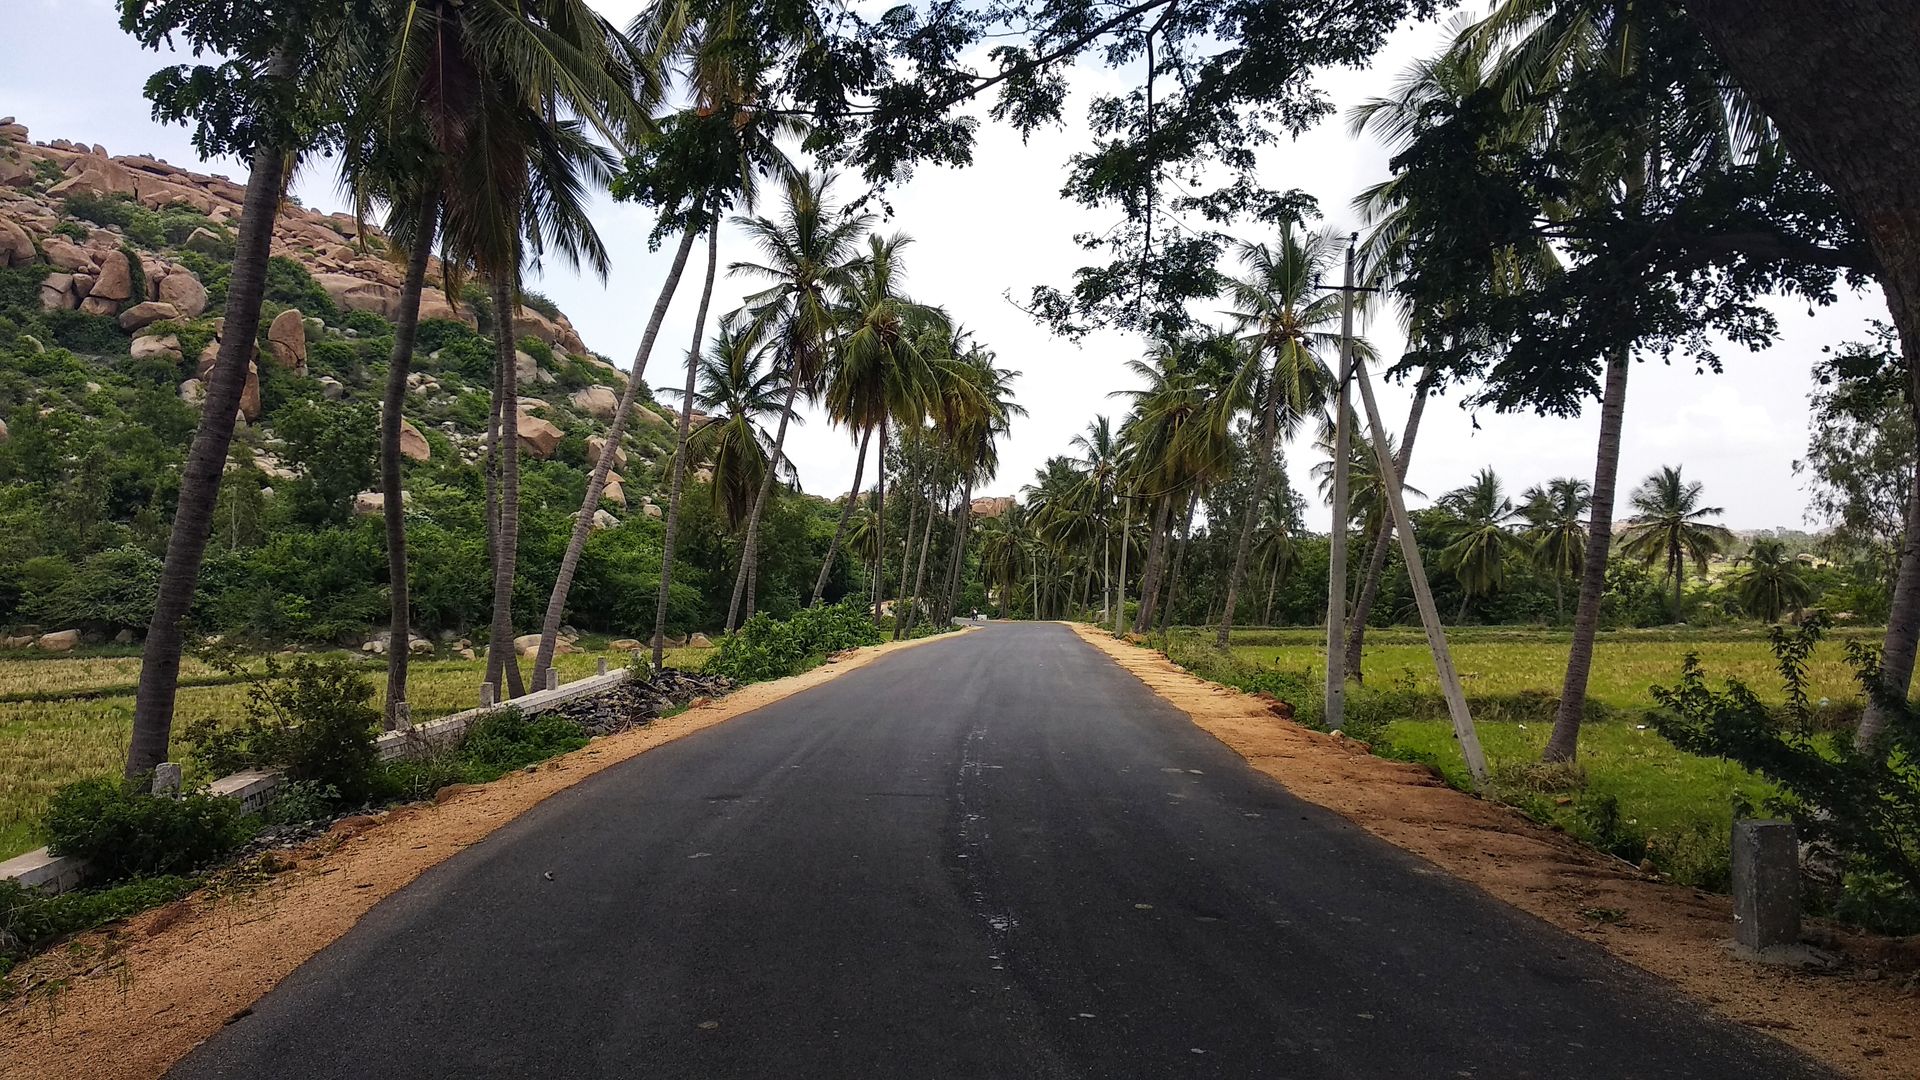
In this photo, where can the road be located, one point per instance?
(993, 856)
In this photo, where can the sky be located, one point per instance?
(992, 231)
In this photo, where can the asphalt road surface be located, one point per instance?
(993, 856)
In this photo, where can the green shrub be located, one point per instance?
(289, 284)
(124, 831)
(366, 323)
(313, 720)
(30, 920)
(507, 739)
(299, 801)
(1863, 804)
(84, 332)
(766, 648)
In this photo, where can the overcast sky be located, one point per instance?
(1000, 227)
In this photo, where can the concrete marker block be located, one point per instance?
(1766, 884)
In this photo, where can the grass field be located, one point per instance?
(1633, 793)
(63, 718)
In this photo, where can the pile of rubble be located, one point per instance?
(639, 700)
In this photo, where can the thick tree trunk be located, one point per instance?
(681, 452)
(1841, 80)
(1564, 743)
(920, 571)
(201, 472)
(405, 324)
(507, 536)
(750, 547)
(1269, 428)
(906, 560)
(1156, 565)
(583, 525)
(1179, 560)
(846, 515)
(491, 469)
(1383, 536)
(880, 525)
(962, 515)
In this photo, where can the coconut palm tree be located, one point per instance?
(292, 71)
(806, 261)
(1770, 585)
(982, 419)
(1556, 532)
(419, 119)
(1277, 305)
(1099, 462)
(881, 371)
(1669, 527)
(1478, 539)
(741, 388)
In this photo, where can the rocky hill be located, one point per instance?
(146, 244)
(113, 275)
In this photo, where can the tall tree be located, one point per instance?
(1285, 316)
(1840, 81)
(276, 93)
(1556, 532)
(1669, 526)
(1770, 585)
(806, 261)
(1478, 538)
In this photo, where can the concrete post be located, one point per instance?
(603, 665)
(486, 695)
(553, 679)
(166, 778)
(1766, 884)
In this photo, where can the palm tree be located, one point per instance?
(1770, 584)
(297, 67)
(728, 140)
(1669, 527)
(977, 420)
(1556, 530)
(421, 119)
(881, 371)
(739, 391)
(1478, 539)
(807, 264)
(1278, 306)
(1099, 462)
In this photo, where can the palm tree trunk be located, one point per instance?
(406, 323)
(1564, 743)
(1902, 640)
(507, 537)
(920, 574)
(958, 557)
(583, 525)
(681, 451)
(1106, 573)
(1179, 560)
(206, 460)
(750, 548)
(906, 561)
(491, 469)
(880, 525)
(1269, 428)
(1273, 585)
(1383, 536)
(1679, 577)
(1559, 599)
(846, 515)
(1120, 584)
(1156, 559)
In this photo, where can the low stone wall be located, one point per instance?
(54, 874)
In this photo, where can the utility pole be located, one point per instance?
(1336, 694)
